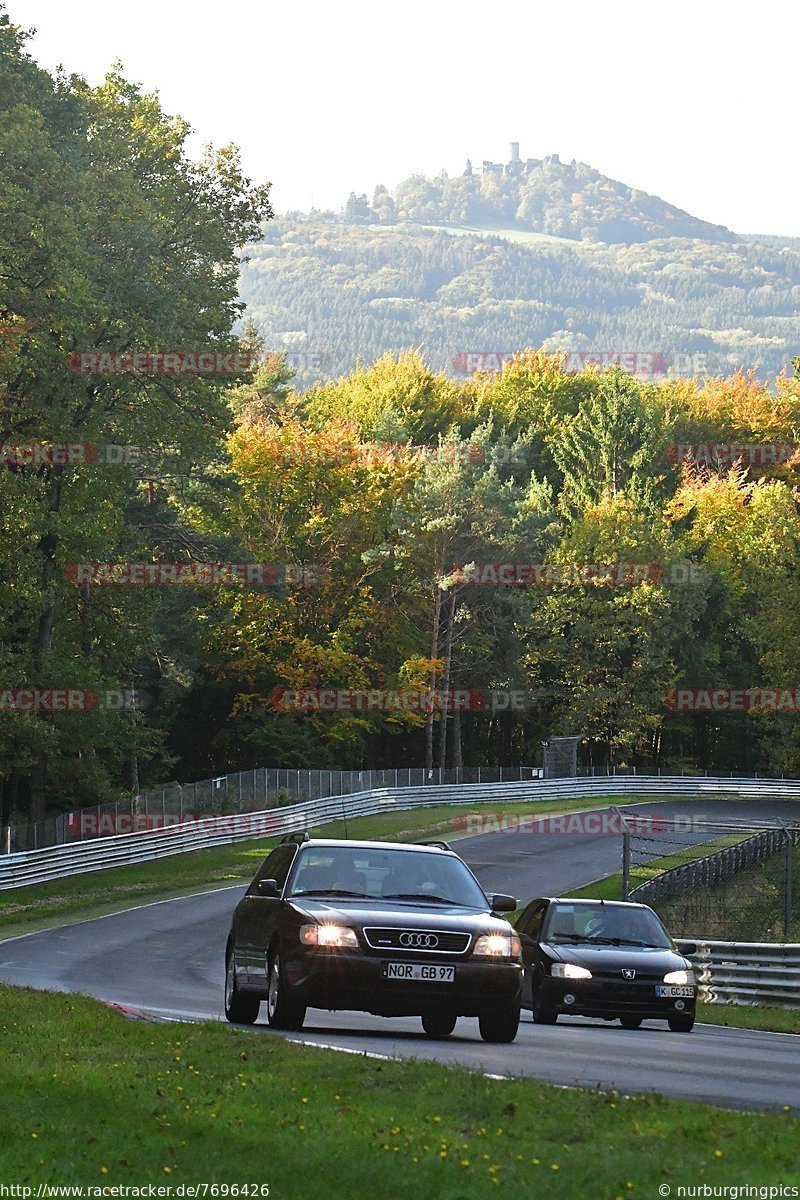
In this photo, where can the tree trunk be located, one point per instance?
(44, 641)
(455, 740)
(446, 686)
(437, 610)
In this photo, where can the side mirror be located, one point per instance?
(268, 887)
(688, 948)
(502, 903)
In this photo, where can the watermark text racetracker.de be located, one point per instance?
(422, 700)
(609, 822)
(70, 700)
(67, 454)
(733, 700)
(646, 364)
(615, 574)
(719, 454)
(159, 574)
(87, 823)
(379, 453)
(146, 362)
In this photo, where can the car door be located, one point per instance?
(258, 915)
(529, 928)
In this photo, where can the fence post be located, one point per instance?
(626, 864)
(787, 896)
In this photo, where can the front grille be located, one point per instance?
(417, 941)
(615, 979)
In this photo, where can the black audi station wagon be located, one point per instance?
(379, 927)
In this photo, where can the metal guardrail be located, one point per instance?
(56, 862)
(747, 972)
(242, 791)
(728, 972)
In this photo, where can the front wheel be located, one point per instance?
(283, 1010)
(240, 1008)
(542, 1014)
(500, 1025)
(437, 1024)
(629, 1022)
(682, 1024)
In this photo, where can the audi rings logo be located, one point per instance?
(419, 941)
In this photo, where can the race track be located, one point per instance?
(167, 959)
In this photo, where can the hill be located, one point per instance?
(492, 263)
(568, 200)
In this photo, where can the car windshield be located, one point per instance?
(605, 924)
(384, 874)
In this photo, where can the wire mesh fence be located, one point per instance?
(240, 792)
(725, 881)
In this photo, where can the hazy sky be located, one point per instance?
(694, 101)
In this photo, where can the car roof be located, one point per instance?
(417, 847)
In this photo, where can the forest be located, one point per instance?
(190, 560)
(332, 294)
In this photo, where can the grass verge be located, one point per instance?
(750, 1016)
(610, 888)
(24, 910)
(101, 1101)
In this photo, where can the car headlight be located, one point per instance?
(497, 945)
(679, 977)
(569, 971)
(340, 936)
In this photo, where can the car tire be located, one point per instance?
(283, 1010)
(240, 1008)
(684, 1023)
(630, 1022)
(501, 1024)
(439, 1024)
(542, 1014)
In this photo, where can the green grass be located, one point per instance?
(22, 910)
(102, 1101)
(750, 1016)
(610, 888)
(750, 907)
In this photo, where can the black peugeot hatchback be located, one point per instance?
(386, 928)
(608, 959)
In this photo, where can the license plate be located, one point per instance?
(665, 991)
(430, 972)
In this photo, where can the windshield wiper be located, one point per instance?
(420, 896)
(332, 892)
(621, 941)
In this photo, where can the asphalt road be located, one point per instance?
(166, 958)
(544, 864)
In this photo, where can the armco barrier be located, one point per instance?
(55, 862)
(747, 972)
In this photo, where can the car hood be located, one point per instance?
(612, 958)
(410, 915)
